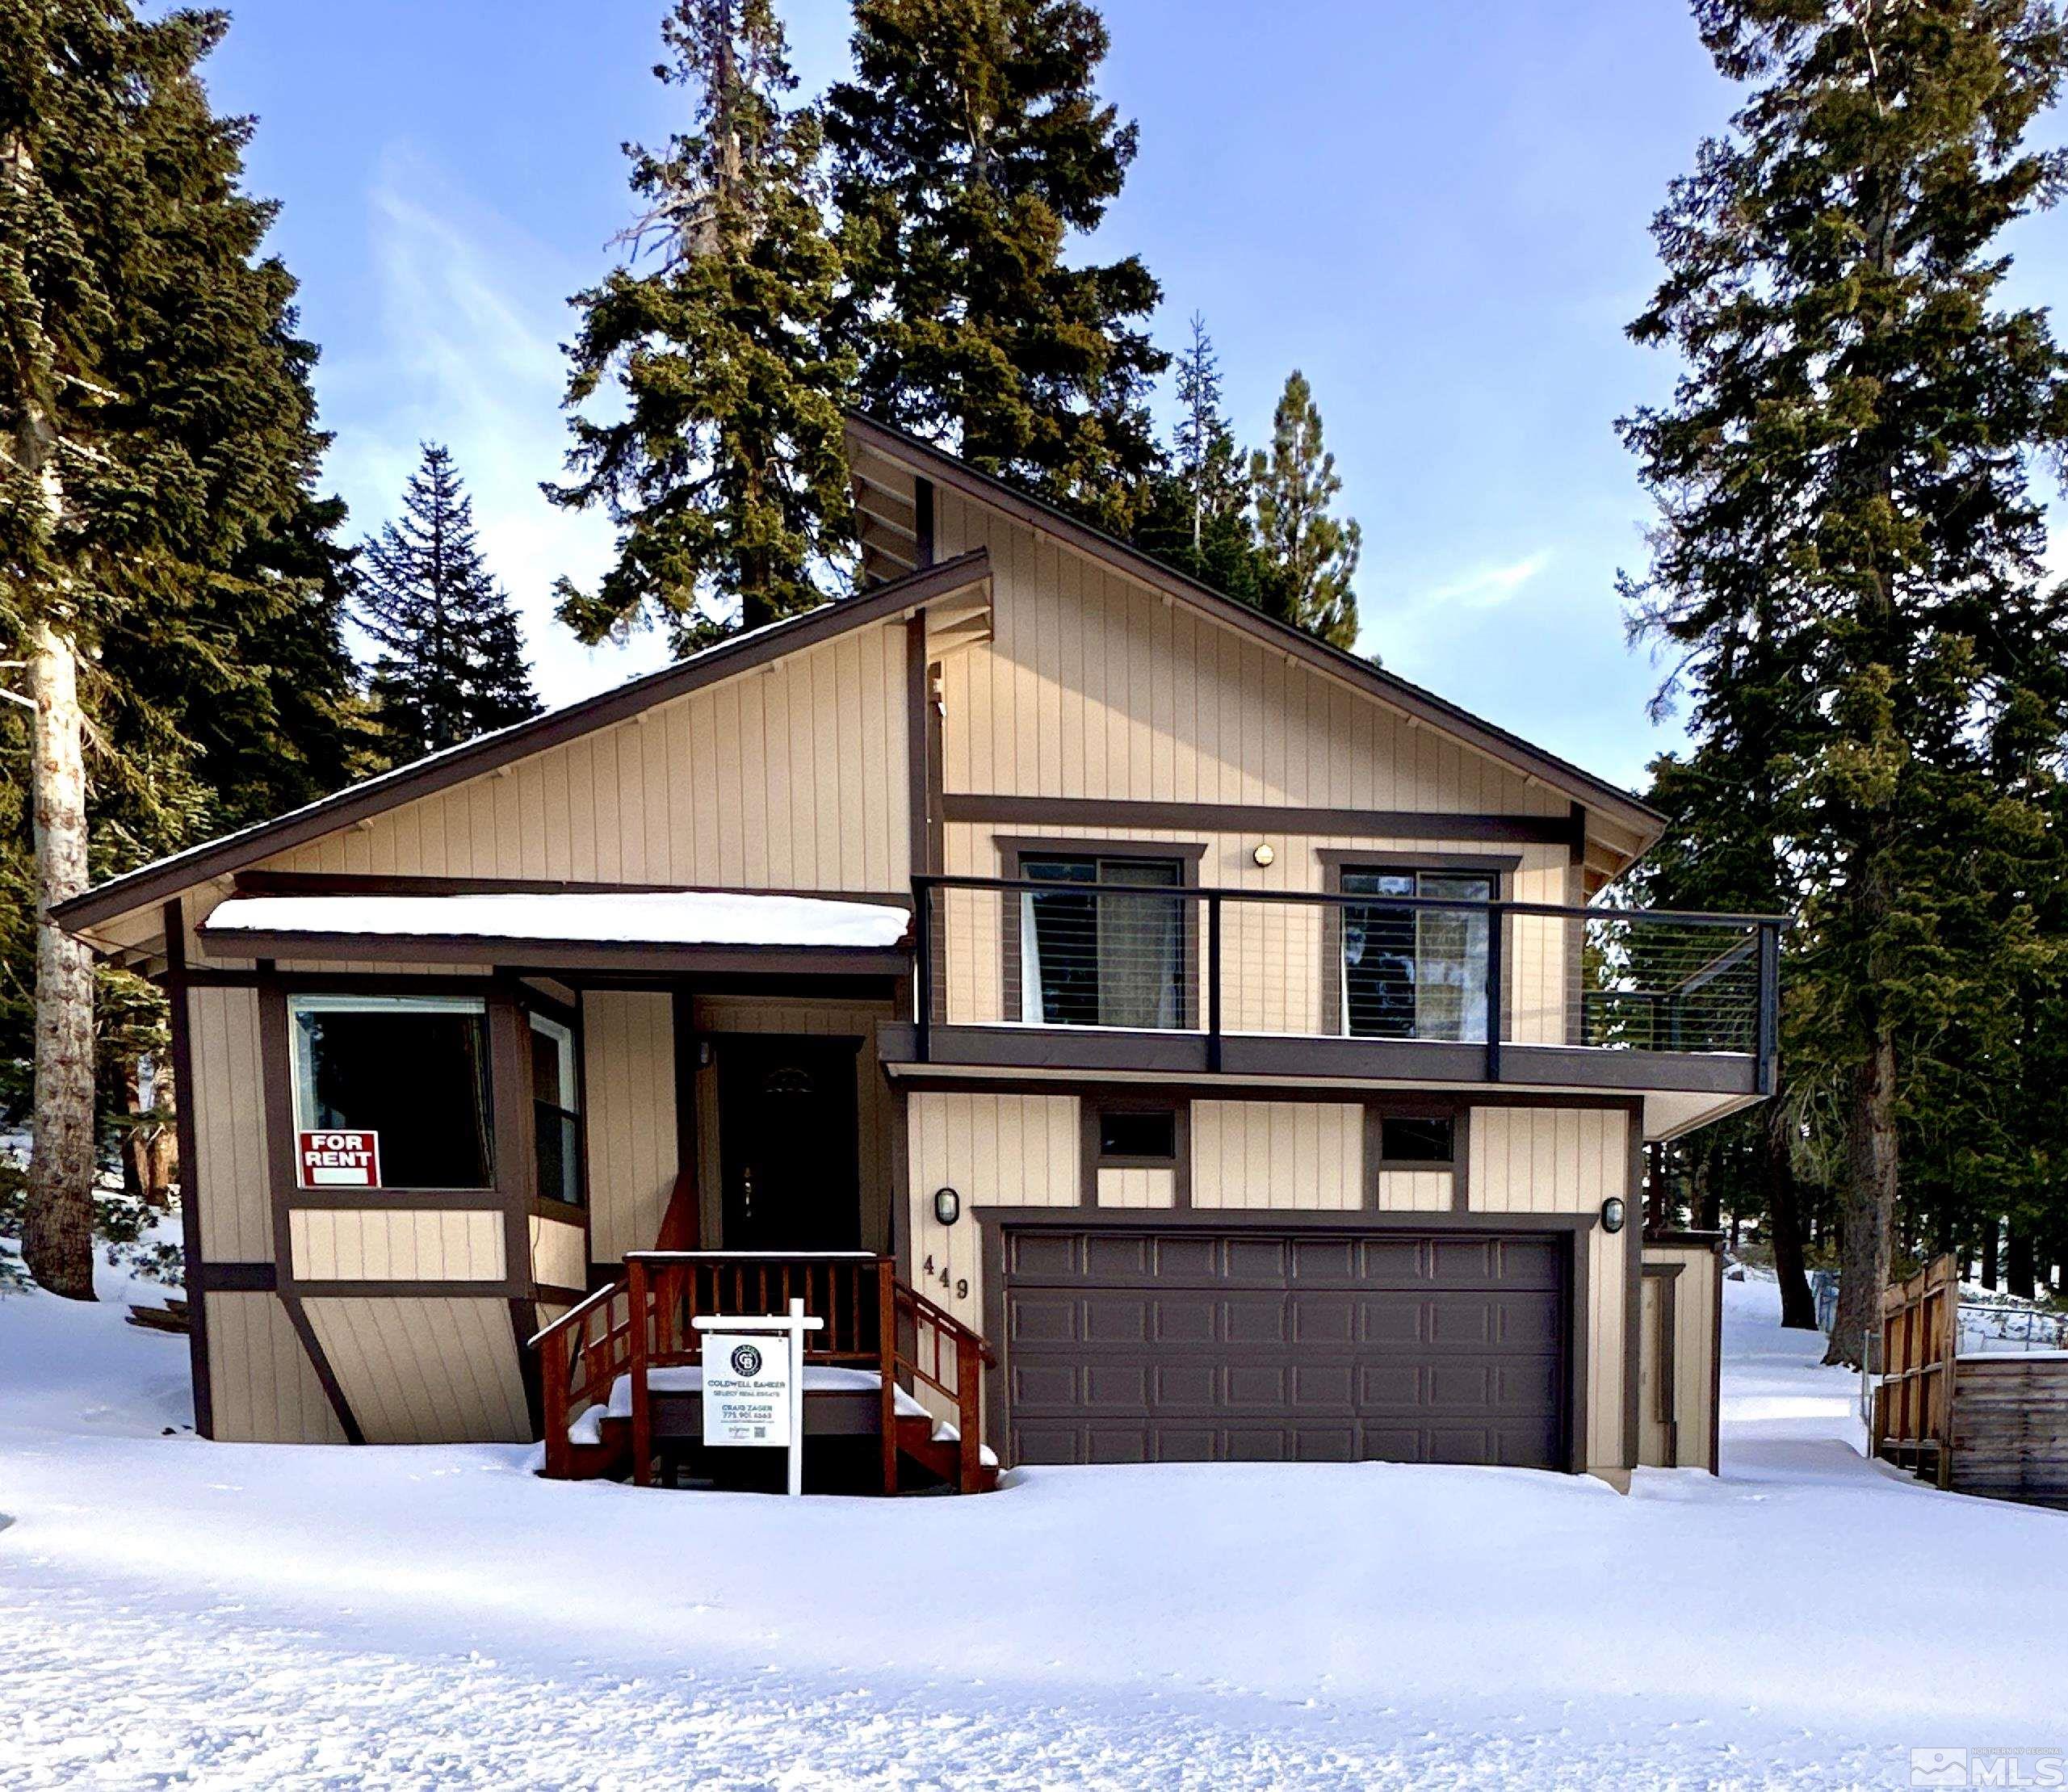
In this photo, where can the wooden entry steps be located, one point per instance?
(620, 1373)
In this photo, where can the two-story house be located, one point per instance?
(1143, 1031)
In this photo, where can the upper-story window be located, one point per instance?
(1109, 956)
(1416, 973)
(412, 1070)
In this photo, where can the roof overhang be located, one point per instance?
(959, 590)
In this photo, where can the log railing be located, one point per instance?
(1920, 1340)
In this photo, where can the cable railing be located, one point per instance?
(1430, 969)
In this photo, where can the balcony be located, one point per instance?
(1441, 986)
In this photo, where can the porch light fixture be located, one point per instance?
(947, 1206)
(1612, 1215)
(1264, 855)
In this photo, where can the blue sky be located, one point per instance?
(1439, 213)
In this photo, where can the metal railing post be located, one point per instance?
(1767, 1044)
(922, 945)
(1496, 915)
(1213, 983)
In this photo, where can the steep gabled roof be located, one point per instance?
(928, 462)
(167, 877)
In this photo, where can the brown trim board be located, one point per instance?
(1092, 1106)
(440, 771)
(186, 1128)
(1086, 812)
(924, 459)
(1633, 1282)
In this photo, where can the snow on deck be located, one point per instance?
(180, 1613)
(668, 917)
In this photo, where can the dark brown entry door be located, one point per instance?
(786, 1137)
(1194, 1345)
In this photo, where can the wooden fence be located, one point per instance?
(1913, 1423)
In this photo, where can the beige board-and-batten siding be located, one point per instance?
(628, 1087)
(1689, 1401)
(789, 775)
(262, 1387)
(1278, 959)
(393, 1243)
(425, 1370)
(1023, 1150)
(232, 1174)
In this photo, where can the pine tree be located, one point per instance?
(1843, 472)
(451, 665)
(1311, 556)
(156, 435)
(1195, 514)
(726, 473)
(970, 150)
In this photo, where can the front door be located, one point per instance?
(787, 1134)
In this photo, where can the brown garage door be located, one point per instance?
(1193, 1345)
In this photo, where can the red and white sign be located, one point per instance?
(340, 1159)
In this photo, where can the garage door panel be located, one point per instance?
(1253, 1319)
(1194, 1345)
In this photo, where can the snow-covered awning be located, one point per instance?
(628, 924)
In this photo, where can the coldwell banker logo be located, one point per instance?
(747, 1362)
(2006, 1767)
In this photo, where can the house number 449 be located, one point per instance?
(959, 1284)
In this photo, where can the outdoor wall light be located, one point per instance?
(947, 1206)
(1611, 1214)
(1264, 855)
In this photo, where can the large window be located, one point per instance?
(412, 1069)
(1112, 955)
(1416, 973)
(556, 1109)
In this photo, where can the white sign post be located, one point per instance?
(753, 1381)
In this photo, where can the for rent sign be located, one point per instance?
(339, 1160)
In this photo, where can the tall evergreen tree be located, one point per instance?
(1195, 515)
(1842, 475)
(726, 473)
(451, 663)
(1312, 555)
(969, 150)
(157, 442)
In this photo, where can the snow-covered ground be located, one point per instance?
(174, 1612)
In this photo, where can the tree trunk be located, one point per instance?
(1990, 1228)
(1704, 1202)
(2022, 1268)
(1867, 1199)
(150, 1151)
(1798, 1309)
(57, 1242)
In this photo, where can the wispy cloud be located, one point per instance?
(472, 312)
(1482, 588)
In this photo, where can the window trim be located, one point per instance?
(1387, 862)
(317, 1001)
(1456, 1109)
(1091, 1110)
(1015, 849)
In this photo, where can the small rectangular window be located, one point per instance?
(1135, 1132)
(1406, 1140)
(412, 1069)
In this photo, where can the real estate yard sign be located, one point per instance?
(336, 1160)
(753, 1380)
(747, 1388)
